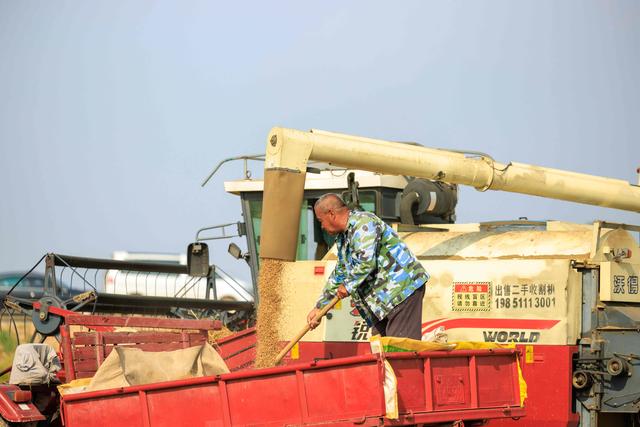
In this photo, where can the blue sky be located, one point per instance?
(112, 112)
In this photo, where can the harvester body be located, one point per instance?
(565, 294)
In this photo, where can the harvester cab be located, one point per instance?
(395, 199)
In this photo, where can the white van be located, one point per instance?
(169, 284)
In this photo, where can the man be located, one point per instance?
(384, 279)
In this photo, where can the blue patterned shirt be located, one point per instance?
(375, 266)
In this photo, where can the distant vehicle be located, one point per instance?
(31, 287)
(223, 286)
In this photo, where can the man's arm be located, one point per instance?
(363, 254)
(331, 288)
(335, 279)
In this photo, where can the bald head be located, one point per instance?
(332, 213)
(329, 201)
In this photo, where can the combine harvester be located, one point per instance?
(565, 294)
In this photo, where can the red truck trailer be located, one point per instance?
(433, 388)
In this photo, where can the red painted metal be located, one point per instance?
(21, 396)
(344, 390)
(339, 392)
(551, 370)
(88, 358)
(478, 322)
(239, 349)
(17, 412)
(83, 352)
(310, 351)
(89, 349)
(548, 378)
(141, 322)
(67, 352)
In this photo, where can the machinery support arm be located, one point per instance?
(482, 173)
(288, 151)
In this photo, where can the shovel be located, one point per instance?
(306, 329)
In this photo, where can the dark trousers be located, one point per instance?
(404, 320)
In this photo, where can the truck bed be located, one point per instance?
(433, 387)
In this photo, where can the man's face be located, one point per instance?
(328, 221)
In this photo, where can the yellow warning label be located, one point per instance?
(295, 352)
(338, 305)
(471, 296)
(528, 353)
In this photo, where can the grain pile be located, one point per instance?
(217, 334)
(269, 288)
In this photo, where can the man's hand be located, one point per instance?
(311, 316)
(342, 292)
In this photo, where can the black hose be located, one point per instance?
(407, 203)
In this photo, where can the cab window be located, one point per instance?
(313, 242)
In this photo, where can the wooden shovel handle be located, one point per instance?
(306, 329)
